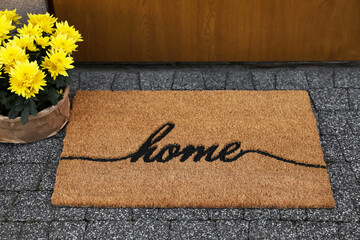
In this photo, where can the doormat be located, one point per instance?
(212, 149)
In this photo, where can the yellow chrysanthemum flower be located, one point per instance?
(69, 31)
(26, 79)
(45, 21)
(5, 28)
(25, 42)
(11, 15)
(30, 30)
(43, 42)
(11, 54)
(57, 62)
(62, 42)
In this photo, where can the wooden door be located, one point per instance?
(214, 30)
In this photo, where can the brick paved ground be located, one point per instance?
(27, 172)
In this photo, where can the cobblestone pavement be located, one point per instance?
(27, 172)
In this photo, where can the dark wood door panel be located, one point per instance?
(214, 30)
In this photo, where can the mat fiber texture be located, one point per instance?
(192, 149)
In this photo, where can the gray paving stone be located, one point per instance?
(291, 79)
(32, 206)
(126, 80)
(69, 213)
(347, 77)
(145, 213)
(215, 79)
(317, 230)
(355, 196)
(9, 230)
(353, 119)
(316, 115)
(184, 214)
(239, 79)
(331, 149)
(160, 79)
(349, 142)
(344, 209)
(330, 99)
(352, 155)
(319, 77)
(333, 123)
(341, 176)
(315, 112)
(350, 146)
(25, 7)
(109, 214)
(151, 229)
(292, 214)
(100, 80)
(17, 177)
(37, 152)
(6, 155)
(356, 168)
(74, 73)
(226, 213)
(55, 150)
(109, 230)
(188, 79)
(35, 231)
(75, 77)
(232, 229)
(48, 178)
(340, 141)
(349, 231)
(67, 230)
(193, 229)
(261, 213)
(6, 200)
(264, 79)
(354, 96)
(263, 229)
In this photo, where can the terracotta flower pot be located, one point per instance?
(45, 124)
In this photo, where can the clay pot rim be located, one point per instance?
(42, 113)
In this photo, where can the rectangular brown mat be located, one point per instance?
(192, 149)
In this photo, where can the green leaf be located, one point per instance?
(3, 102)
(33, 56)
(4, 81)
(3, 98)
(61, 82)
(19, 104)
(13, 113)
(10, 103)
(69, 81)
(53, 96)
(32, 107)
(49, 79)
(25, 115)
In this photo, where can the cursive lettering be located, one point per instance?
(229, 153)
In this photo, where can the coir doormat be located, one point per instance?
(192, 149)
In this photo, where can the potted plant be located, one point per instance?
(34, 83)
